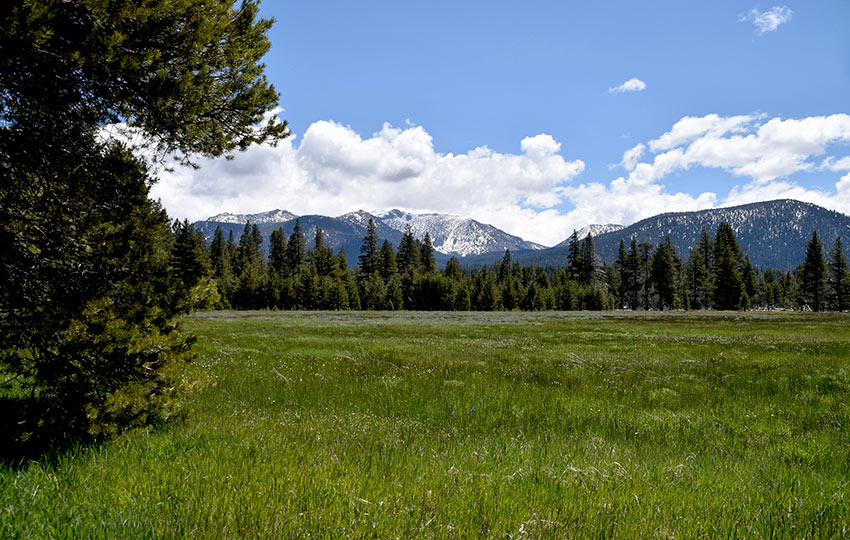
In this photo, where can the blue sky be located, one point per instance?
(509, 112)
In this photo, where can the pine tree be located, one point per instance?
(588, 263)
(622, 267)
(837, 279)
(664, 275)
(258, 240)
(250, 270)
(220, 262)
(505, 267)
(728, 284)
(611, 283)
(509, 294)
(643, 272)
(342, 263)
(408, 253)
(813, 274)
(453, 270)
(698, 271)
(296, 250)
(632, 275)
(748, 279)
(249, 250)
(483, 295)
(369, 252)
(190, 266)
(322, 254)
(189, 256)
(277, 252)
(387, 266)
(426, 255)
(574, 257)
(307, 288)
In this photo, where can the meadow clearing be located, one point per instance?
(475, 425)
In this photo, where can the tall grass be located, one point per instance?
(502, 425)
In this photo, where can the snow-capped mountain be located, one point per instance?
(593, 230)
(360, 218)
(450, 235)
(272, 216)
(772, 233)
(455, 235)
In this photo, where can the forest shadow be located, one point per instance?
(25, 436)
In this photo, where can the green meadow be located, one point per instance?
(475, 425)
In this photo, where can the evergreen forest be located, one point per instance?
(304, 273)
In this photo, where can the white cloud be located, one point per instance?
(768, 21)
(766, 152)
(334, 170)
(632, 85)
(631, 156)
(842, 164)
(742, 146)
(689, 128)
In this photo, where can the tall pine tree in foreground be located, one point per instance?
(86, 292)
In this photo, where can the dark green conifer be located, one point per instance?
(277, 252)
(837, 278)
(426, 255)
(813, 274)
(369, 255)
(296, 250)
(387, 266)
(726, 267)
(408, 252)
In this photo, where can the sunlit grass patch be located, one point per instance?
(448, 425)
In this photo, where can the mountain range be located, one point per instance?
(450, 235)
(773, 233)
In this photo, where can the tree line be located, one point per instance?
(230, 273)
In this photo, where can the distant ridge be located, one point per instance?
(772, 233)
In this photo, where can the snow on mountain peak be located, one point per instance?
(360, 217)
(272, 216)
(593, 230)
(455, 235)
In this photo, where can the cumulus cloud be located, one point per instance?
(332, 170)
(631, 156)
(842, 164)
(690, 128)
(768, 21)
(749, 146)
(632, 85)
(764, 152)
